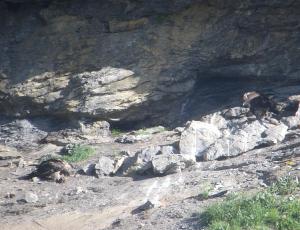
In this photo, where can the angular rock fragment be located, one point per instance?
(235, 143)
(197, 137)
(127, 139)
(29, 197)
(165, 164)
(155, 160)
(292, 122)
(104, 167)
(275, 134)
(144, 207)
(141, 162)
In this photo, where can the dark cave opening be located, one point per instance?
(217, 93)
(13, 6)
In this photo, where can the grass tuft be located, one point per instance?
(79, 153)
(206, 191)
(270, 209)
(285, 186)
(116, 132)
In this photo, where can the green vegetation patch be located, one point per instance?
(206, 191)
(79, 153)
(273, 209)
(285, 186)
(116, 132)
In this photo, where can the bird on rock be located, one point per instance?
(259, 104)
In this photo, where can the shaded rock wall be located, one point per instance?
(168, 45)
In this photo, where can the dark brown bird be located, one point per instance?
(51, 169)
(259, 104)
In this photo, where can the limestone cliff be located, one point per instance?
(137, 60)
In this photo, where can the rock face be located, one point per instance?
(99, 94)
(116, 59)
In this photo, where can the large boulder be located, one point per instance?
(141, 162)
(235, 142)
(215, 137)
(155, 160)
(104, 167)
(197, 137)
(169, 163)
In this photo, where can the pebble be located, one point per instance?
(29, 197)
(35, 179)
(76, 191)
(10, 195)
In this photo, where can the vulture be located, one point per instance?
(259, 104)
(51, 169)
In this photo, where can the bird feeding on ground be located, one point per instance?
(51, 169)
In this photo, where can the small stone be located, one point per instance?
(126, 139)
(79, 190)
(35, 179)
(21, 163)
(116, 222)
(169, 138)
(88, 169)
(144, 207)
(179, 129)
(96, 189)
(30, 197)
(76, 191)
(10, 195)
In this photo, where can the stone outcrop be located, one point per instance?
(215, 137)
(141, 60)
(99, 94)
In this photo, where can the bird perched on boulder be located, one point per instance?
(51, 169)
(259, 104)
(295, 100)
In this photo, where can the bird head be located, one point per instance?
(247, 97)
